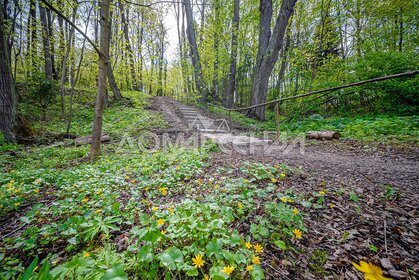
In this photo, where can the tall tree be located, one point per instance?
(7, 98)
(46, 43)
(268, 51)
(196, 63)
(95, 148)
(231, 87)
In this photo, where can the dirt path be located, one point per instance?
(371, 198)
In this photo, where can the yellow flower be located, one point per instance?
(17, 204)
(248, 245)
(160, 222)
(132, 181)
(206, 277)
(86, 255)
(12, 181)
(258, 248)
(255, 260)
(37, 181)
(240, 205)
(163, 232)
(228, 270)
(273, 180)
(322, 192)
(154, 209)
(284, 199)
(198, 261)
(171, 210)
(216, 186)
(163, 191)
(10, 185)
(246, 180)
(249, 268)
(127, 177)
(331, 205)
(289, 200)
(371, 272)
(36, 190)
(282, 175)
(84, 200)
(98, 211)
(295, 211)
(298, 233)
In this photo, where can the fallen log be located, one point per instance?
(323, 135)
(88, 139)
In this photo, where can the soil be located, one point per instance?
(371, 208)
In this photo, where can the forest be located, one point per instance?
(100, 100)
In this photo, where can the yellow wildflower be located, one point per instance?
(273, 180)
(198, 261)
(298, 233)
(163, 232)
(126, 177)
(163, 191)
(240, 205)
(228, 270)
(154, 209)
(282, 175)
(84, 200)
(255, 260)
(295, 211)
(171, 210)
(249, 268)
(258, 248)
(37, 181)
(12, 181)
(289, 200)
(17, 204)
(284, 199)
(322, 192)
(206, 277)
(98, 211)
(86, 255)
(371, 271)
(133, 181)
(248, 245)
(10, 185)
(216, 186)
(246, 180)
(331, 205)
(160, 222)
(36, 190)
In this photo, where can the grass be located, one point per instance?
(385, 129)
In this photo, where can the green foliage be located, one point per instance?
(43, 92)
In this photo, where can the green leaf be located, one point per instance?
(214, 248)
(280, 244)
(146, 254)
(192, 272)
(29, 271)
(171, 258)
(72, 241)
(257, 273)
(116, 272)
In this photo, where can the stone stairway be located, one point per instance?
(217, 130)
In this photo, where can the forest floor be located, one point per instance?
(144, 213)
(370, 208)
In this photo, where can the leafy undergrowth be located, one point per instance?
(184, 214)
(389, 130)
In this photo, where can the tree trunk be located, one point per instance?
(196, 63)
(34, 36)
(46, 43)
(101, 90)
(124, 21)
(112, 83)
(216, 50)
(7, 98)
(268, 51)
(233, 56)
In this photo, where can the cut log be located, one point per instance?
(88, 139)
(323, 135)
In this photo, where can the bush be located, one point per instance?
(42, 91)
